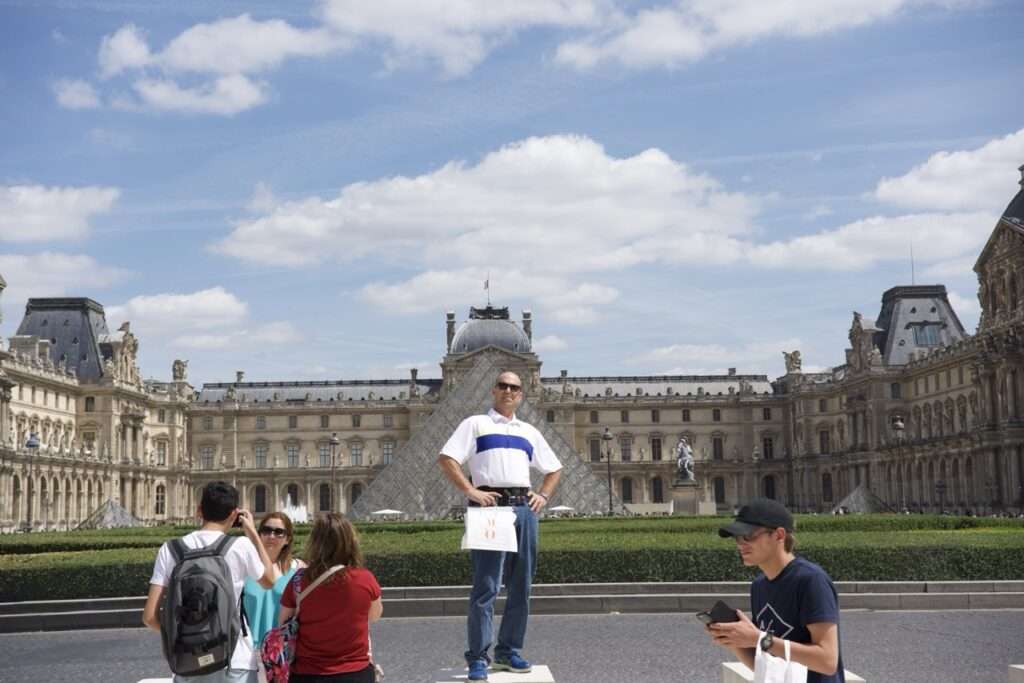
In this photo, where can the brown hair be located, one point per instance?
(284, 560)
(332, 541)
(790, 542)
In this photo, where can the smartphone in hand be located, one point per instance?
(719, 613)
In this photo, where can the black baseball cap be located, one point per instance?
(758, 513)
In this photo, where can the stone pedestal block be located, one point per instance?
(685, 497)
(540, 674)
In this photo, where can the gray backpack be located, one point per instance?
(199, 619)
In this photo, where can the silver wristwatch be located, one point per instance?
(766, 641)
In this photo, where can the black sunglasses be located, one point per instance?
(505, 386)
(273, 531)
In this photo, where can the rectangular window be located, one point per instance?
(292, 450)
(161, 452)
(768, 447)
(46, 396)
(960, 375)
(261, 455)
(766, 413)
(656, 449)
(686, 414)
(593, 417)
(356, 421)
(90, 403)
(357, 453)
(293, 422)
(626, 449)
(822, 405)
(655, 415)
(595, 450)
(717, 448)
(927, 383)
(926, 335)
(389, 420)
(206, 457)
(325, 421)
(325, 454)
(549, 417)
(33, 394)
(624, 416)
(161, 416)
(895, 390)
(949, 378)
(716, 415)
(207, 423)
(261, 422)
(823, 442)
(388, 451)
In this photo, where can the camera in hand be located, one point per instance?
(718, 614)
(238, 522)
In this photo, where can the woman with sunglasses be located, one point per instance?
(262, 604)
(334, 621)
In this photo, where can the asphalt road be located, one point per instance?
(891, 647)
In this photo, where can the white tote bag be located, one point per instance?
(771, 669)
(490, 528)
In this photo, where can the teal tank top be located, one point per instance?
(262, 604)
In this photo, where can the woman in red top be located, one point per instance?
(334, 623)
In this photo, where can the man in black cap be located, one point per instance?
(791, 599)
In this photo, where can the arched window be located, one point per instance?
(291, 495)
(161, 499)
(325, 497)
(768, 487)
(657, 490)
(627, 490)
(719, 485)
(826, 487)
(259, 498)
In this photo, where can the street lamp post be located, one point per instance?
(608, 438)
(32, 444)
(334, 448)
(899, 428)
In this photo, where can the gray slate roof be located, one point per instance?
(653, 385)
(905, 307)
(1015, 210)
(326, 391)
(473, 335)
(75, 327)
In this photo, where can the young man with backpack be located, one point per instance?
(199, 580)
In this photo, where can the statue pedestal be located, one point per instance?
(685, 496)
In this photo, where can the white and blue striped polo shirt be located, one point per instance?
(500, 450)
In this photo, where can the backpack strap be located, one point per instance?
(178, 550)
(222, 546)
(320, 579)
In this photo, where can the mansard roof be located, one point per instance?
(1012, 219)
(904, 308)
(490, 326)
(74, 327)
(1014, 212)
(663, 385)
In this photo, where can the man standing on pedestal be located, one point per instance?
(500, 450)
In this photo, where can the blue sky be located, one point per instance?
(301, 190)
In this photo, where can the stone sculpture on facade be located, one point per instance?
(179, 370)
(793, 362)
(684, 460)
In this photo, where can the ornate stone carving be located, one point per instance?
(793, 362)
(179, 370)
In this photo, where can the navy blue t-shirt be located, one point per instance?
(801, 594)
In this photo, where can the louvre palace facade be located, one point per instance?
(920, 415)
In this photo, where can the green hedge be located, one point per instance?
(430, 559)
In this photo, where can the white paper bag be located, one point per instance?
(490, 528)
(771, 669)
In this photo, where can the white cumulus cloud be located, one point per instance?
(978, 179)
(226, 95)
(36, 213)
(677, 33)
(683, 359)
(551, 342)
(76, 94)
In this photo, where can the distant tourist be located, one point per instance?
(501, 449)
(334, 618)
(791, 599)
(260, 604)
(203, 636)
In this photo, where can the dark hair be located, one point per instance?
(790, 542)
(219, 500)
(332, 541)
(284, 560)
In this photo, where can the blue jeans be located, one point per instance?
(489, 567)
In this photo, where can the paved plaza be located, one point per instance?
(889, 647)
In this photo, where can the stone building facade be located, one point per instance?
(921, 415)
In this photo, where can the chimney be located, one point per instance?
(528, 325)
(239, 376)
(565, 373)
(450, 323)
(732, 372)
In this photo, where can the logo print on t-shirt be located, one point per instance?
(767, 619)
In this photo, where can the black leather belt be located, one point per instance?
(508, 495)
